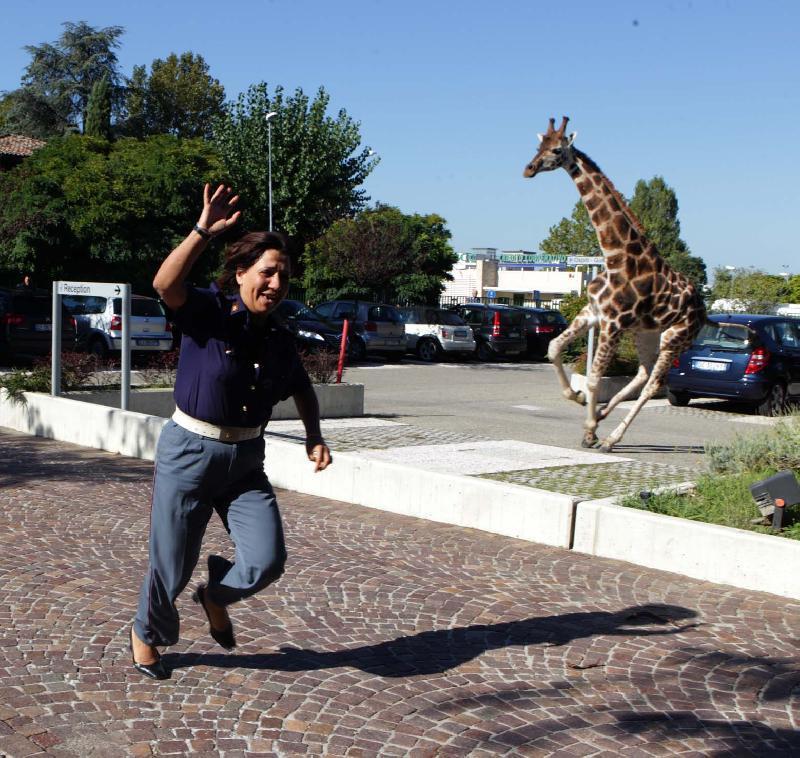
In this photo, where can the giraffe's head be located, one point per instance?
(554, 150)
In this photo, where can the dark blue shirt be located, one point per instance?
(232, 369)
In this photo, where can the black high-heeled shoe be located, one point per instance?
(223, 637)
(155, 670)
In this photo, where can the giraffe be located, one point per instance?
(637, 292)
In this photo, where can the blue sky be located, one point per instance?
(451, 95)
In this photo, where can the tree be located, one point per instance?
(381, 254)
(85, 208)
(25, 112)
(749, 290)
(318, 165)
(60, 77)
(656, 206)
(98, 112)
(572, 236)
(179, 97)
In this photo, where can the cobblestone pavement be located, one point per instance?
(600, 480)
(387, 636)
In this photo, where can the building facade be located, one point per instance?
(516, 277)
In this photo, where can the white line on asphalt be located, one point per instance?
(533, 408)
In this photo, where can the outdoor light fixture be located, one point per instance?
(775, 494)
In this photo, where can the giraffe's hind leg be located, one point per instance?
(647, 350)
(673, 341)
(607, 346)
(579, 326)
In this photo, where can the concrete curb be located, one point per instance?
(602, 528)
(713, 553)
(508, 509)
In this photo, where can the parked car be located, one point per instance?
(433, 332)
(26, 326)
(750, 358)
(99, 322)
(375, 328)
(542, 326)
(312, 332)
(499, 330)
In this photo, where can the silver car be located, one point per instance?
(433, 332)
(375, 328)
(99, 321)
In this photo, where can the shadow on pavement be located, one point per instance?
(437, 651)
(27, 459)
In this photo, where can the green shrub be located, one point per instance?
(625, 362)
(320, 365)
(76, 371)
(776, 448)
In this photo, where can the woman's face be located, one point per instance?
(265, 283)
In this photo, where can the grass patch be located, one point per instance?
(722, 499)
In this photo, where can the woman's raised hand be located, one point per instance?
(218, 209)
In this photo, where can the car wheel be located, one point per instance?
(679, 399)
(427, 350)
(774, 404)
(484, 352)
(358, 350)
(99, 348)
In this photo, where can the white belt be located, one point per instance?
(222, 433)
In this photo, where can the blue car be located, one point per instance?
(743, 357)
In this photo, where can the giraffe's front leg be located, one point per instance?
(579, 326)
(606, 348)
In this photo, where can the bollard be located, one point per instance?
(342, 350)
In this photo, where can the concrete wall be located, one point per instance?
(335, 401)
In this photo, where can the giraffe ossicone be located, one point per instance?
(638, 292)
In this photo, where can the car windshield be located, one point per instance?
(30, 305)
(295, 309)
(384, 313)
(142, 307)
(508, 318)
(726, 336)
(79, 305)
(549, 317)
(448, 318)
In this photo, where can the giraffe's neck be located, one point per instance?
(618, 231)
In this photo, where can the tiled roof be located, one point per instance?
(17, 144)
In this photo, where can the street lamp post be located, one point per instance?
(268, 118)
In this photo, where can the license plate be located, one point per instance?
(43, 327)
(710, 366)
(146, 343)
(513, 334)
(460, 334)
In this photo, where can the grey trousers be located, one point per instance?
(195, 476)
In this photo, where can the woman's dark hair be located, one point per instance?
(245, 252)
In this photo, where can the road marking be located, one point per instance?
(532, 408)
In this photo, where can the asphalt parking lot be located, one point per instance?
(522, 401)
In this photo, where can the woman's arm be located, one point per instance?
(308, 410)
(170, 277)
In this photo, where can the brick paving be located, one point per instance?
(387, 636)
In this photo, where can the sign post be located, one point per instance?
(93, 289)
